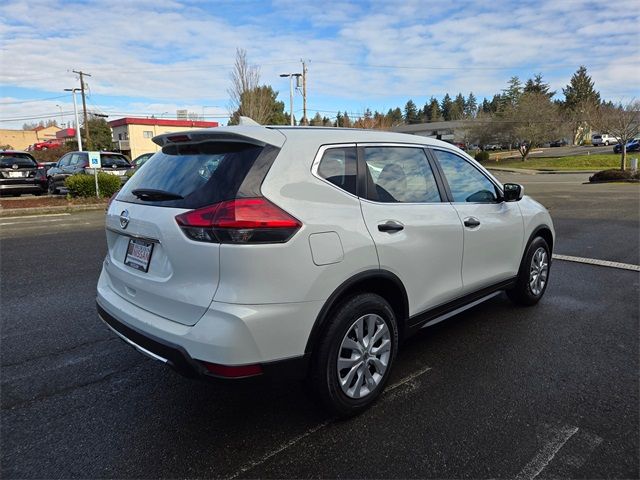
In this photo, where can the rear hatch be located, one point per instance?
(17, 168)
(114, 164)
(152, 262)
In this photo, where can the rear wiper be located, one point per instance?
(155, 195)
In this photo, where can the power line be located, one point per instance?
(431, 67)
(33, 101)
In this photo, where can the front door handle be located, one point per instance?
(471, 222)
(390, 226)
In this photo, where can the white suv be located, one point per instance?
(310, 252)
(603, 139)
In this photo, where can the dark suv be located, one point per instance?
(78, 162)
(19, 173)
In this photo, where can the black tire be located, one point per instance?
(324, 374)
(523, 293)
(51, 187)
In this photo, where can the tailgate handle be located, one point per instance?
(390, 226)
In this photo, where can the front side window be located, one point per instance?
(338, 166)
(399, 174)
(467, 183)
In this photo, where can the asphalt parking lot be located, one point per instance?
(496, 392)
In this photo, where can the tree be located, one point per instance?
(433, 114)
(346, 121)
(248, 98)
(394, 117)
(316, 121)
(486, 106)
(581, 101)
(534, 120)
(537, 85)
(101, 137)
(621, 121)
(511, 95)
(457, 108)
(446, 107)
(471, 106)
(411, 114)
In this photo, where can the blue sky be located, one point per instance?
(155, 56)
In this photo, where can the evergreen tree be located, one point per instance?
(580, 90)
(411, 114)
(486, 106)
(433, 113)
(471, 106)
(537, 85)
(316, 121)
(496, 102)
(511, 95)
(446, 107)
(339, 120)
(457, 109)
(346, 121)
(394, 116)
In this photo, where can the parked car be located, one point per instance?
(48, 144)
(78, 162)
(632, 146)
(559, 143)
(141, 159)
(310, 252)
(492, 146)
(20, 173)
(603, 139)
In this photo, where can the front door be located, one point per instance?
(493, 229)
(418, 237)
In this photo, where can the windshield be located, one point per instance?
(20, 159)
(109, 160)
(201, 174)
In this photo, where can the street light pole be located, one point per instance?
(61, 115)
(75, 111)
(290, 75)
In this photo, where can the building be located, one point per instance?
(133, 136)
(21, 139)
(453, 131)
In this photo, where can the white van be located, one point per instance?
(603, 139)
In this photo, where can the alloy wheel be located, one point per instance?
(364, 356)
(539, 271)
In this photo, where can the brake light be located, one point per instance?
(178, 138)
(240, 221)
(113, 197)
(233, 371)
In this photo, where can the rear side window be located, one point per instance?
(203, 174)
(110, 160)
(399, 174)
(7, 160)
(338, 166)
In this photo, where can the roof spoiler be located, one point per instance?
(255, 134)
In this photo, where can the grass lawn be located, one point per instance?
(600, 161)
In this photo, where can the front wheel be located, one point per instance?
(353, 360)
(533, 276)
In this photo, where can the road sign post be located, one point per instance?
(94, 162)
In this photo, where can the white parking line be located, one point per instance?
(318, 427)
(544, 456)
(594, 261)
(36, 216)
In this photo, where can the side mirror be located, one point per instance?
(512, 192)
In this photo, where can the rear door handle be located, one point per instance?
(390, 226)
(471, 222)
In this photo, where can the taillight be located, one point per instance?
(240, 221)
(113, 197)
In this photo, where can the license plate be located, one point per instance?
(15, 174)
(138, 254)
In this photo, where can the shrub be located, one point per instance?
(482, 156)
(84, 185)
(614, 175)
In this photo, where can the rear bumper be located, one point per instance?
(33, 187)
(271, 336)
(177, 357)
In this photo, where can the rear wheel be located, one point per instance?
(51, 186)
(533, 276)
(353, 360)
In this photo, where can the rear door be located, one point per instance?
(493, 229)
(152, 262)
(418, 237)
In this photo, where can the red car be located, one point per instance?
(47, 144)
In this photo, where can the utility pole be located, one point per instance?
(75, 111)
(290, 75)
(84, 108)
(304, 93)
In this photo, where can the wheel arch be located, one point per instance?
(380, 282)
(543, 231)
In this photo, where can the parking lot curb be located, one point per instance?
(16, 212)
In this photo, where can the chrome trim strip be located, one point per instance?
(135, 345)
(461, 309)
(133, 235)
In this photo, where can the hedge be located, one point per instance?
(482, 156)
(84, 185)
(614, 175)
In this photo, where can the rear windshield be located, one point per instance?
(202, 174)
(8, 160)
(109, 160)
